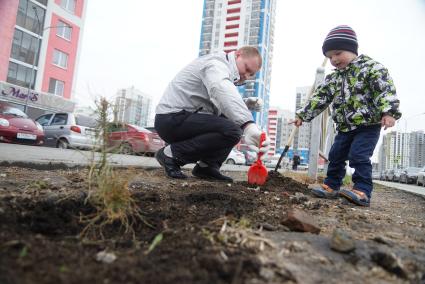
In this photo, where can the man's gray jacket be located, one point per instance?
(207, 85)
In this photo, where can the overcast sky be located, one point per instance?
(145, 43)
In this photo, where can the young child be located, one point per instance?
(363, 99)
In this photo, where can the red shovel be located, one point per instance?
(257, 173)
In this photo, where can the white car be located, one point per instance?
(236, 157)
(421, 177)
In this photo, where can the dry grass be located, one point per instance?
(108, 192)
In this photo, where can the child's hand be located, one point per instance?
(387, 121)
(297, 122)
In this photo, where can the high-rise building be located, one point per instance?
(395, 150)
(132, 106)
(39, 51)
(303, 136)
(230, 24)
(279, 128)
(417, 149)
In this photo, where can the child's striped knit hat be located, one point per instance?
(341, 38)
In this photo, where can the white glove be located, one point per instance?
(253, 103)
(252, 138)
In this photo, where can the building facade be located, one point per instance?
(230, 24)
(417, 149)
(395, 150)
(39, 52)
(279, 128)
(132, 106)
(303, 136)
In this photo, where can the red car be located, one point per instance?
(133, 139)
(17, 127)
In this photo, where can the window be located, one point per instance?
(44, 2)
(59, 119)
(44, 120)
(25, 47)
(56, 87)
(20, 75)
(30, 16)
(68, 5)
(60, 58)
(64, 30)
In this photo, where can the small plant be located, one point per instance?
(108, 191)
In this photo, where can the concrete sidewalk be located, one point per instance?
(46, 157)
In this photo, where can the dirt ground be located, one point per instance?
(211, 233)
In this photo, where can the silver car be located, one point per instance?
(421, 177)
(68, 130)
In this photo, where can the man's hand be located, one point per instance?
(297, 122)
(387, 121)
(252, 138)
(253, 103)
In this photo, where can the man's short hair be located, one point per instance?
(250, 51)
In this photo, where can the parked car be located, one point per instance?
(132, 139)
(17, 127)
(236, 157)
(409, 175)
(389, 175)
(68, 130)
(376, 175)
(421, 177)
(396, 176)
(382, 175)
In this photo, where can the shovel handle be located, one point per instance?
(262, 139)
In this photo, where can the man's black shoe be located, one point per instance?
(209, 173)
(170, 165)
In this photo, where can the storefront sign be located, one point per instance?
(39, 100)
(17, 93)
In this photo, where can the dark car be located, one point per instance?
(17, 127)
(409, 175)
(133, 139)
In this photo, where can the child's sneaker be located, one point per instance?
(355, 196)
(324, 191)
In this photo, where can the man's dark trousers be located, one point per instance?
(198, 137)
(357, 147)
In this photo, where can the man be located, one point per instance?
(296, 161)
(202, 116)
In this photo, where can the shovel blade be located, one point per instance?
(257, 174)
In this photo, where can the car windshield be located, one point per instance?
(7, 110)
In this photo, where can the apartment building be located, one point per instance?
(279, 128)
(132, 106)
(230, 24)
(303, 136)
(39, 51)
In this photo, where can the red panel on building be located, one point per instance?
(231, 34)
(234, 18)
(230, 43)
(234, 2)
(229, 27)
(233, 11)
